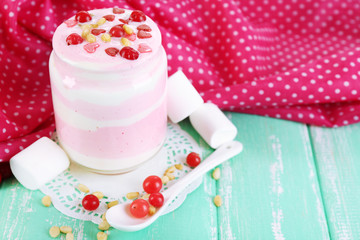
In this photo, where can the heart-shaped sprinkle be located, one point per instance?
(118, 10)
(112, 51)
(131, 37)
(97, 31)
(129, 53)
(144, 48)
(144, 27)
(71, 22)
(142, 34)
(124, 21)
(91, 47)
(109, 18)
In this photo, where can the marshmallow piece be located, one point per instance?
(39, 163)
(212, 125)
(183, 99)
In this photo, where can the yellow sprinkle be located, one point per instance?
(90, 38)
(101, 21)
(85, 32)
(104, 225)
(83, 188)
(170, 176)
(128, 29)
(217, 200)
(125, 42)
(170, 169)
(46, 201)
(113, 203)
(94, 25)
(179, 166)
(85, 26)
(132, 195)
(152, 210)
(101, 236)
(106, 37)
(165, 179)
(99, 195)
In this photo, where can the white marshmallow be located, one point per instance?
(212, 125)
(39, 163)
(183, 99)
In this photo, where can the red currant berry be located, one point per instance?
(156, 199)
(83, 16)
(90, 202)
(139, 208)
(144, 27)
(118, 10)
(137, 16)
(152, 184)
(109, 18)
(74, 39)
(0, 178)
(142, 34)
(193, 159)
(117, 31)
(112, 51)
(129, 53)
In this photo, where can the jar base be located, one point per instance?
(112, 167)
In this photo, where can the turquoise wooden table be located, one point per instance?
(292, 181)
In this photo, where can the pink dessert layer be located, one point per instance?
(110, 111)
(117, 141)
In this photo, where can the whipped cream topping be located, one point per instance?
(79, 56)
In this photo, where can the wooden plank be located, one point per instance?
(271, 191)
(337, 155)
(24, 217)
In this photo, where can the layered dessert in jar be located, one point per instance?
(108, 74)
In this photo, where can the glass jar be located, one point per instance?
(110, 111)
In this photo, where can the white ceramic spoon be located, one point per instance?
(119, 216)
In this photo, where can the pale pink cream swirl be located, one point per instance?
(110, 112)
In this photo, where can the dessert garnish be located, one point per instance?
(74, 39)
(91, 47)
(126, 31)
(83, 16)
(129, 53)
(137, 16)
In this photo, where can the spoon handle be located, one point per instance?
(221, 154)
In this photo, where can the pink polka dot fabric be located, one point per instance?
(290, 59)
